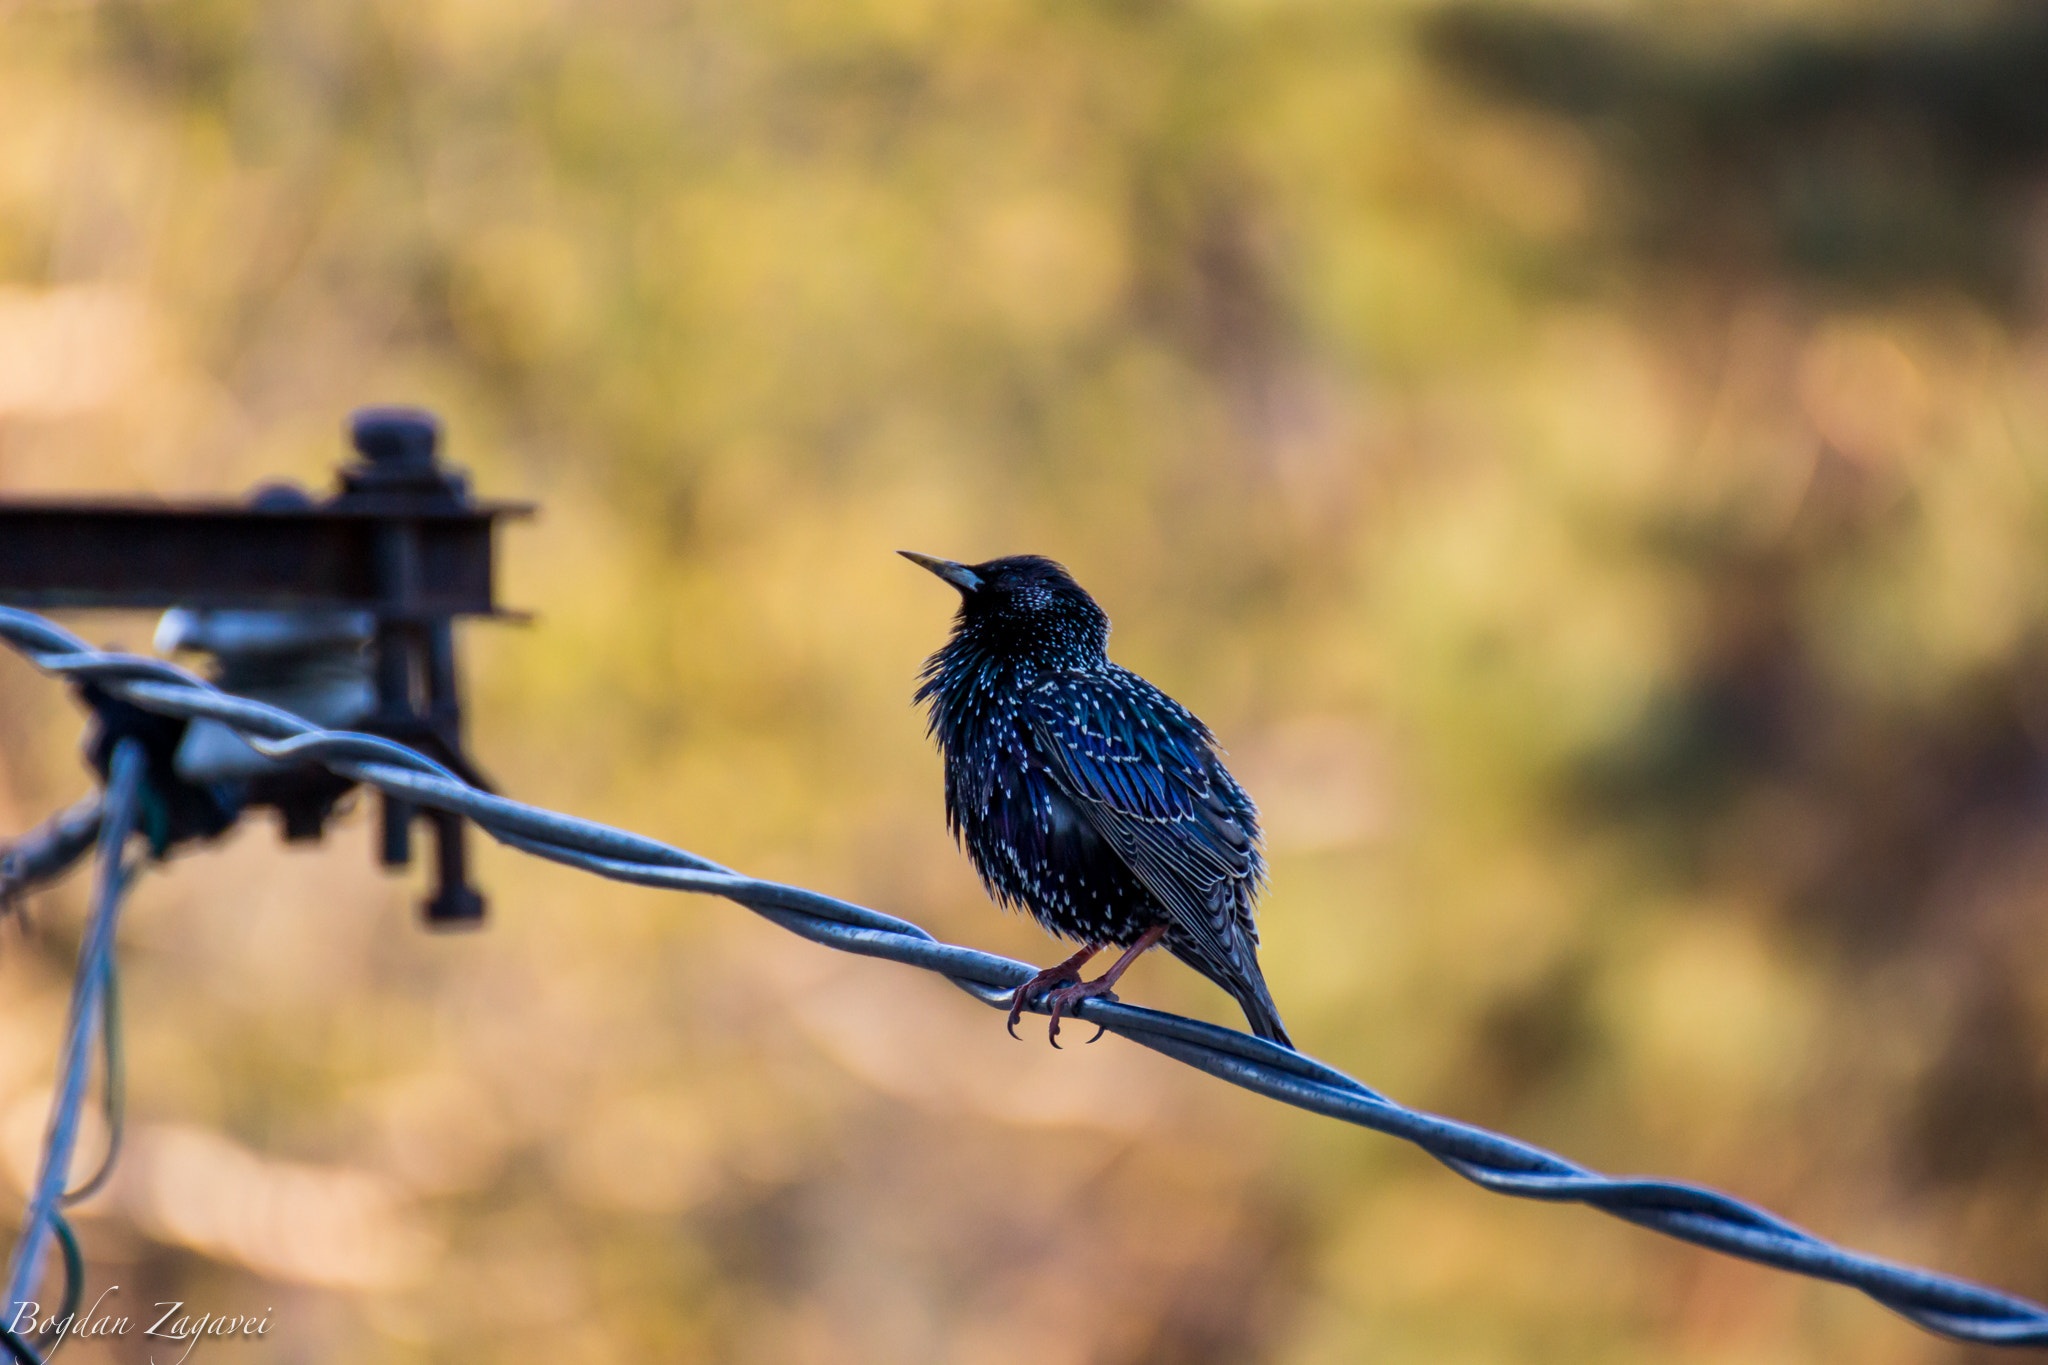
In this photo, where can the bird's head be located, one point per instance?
(1023, 605)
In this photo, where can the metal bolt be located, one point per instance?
(396, 438)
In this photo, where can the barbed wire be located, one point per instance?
(1693, 1213)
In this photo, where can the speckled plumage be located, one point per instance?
(1081, 792)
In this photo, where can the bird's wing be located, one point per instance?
(1145, 773)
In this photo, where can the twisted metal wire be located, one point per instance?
(90, 1012)
(1941, 1304)
(47, 850)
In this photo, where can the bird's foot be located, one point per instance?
(1070, 990)
(1066, 997)
(1065, 974)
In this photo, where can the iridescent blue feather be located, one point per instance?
(1084, 794)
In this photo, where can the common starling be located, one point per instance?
(1087, 796)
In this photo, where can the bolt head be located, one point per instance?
(396, 438)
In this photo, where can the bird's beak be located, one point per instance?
(959, 575)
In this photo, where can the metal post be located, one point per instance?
(455, 902)
(416, 693)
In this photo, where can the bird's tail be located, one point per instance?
(1257, 1002)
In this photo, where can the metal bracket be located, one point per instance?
(401, 540)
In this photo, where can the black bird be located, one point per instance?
(1087, 796)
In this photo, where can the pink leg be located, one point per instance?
(1066, 997)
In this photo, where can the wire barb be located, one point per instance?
(1942, 1304)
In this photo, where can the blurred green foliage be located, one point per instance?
(1587, 463)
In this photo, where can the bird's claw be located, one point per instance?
(1068, 991)
(1062, 975)
(1066, 997)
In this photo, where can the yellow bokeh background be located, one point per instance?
(1585, 461)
